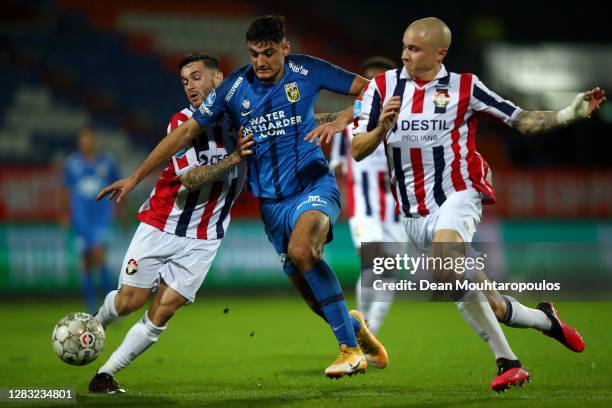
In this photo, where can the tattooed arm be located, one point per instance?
(537, 122)
(583, 105)
(322, 118)
(196, 178)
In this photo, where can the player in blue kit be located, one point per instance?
(273, 99)
(85, 172)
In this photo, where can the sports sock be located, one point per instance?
(140, 337)
(89, 292)
(377, 313)
(475, 309)
(518, 315)
(107, 312)
(327, 291)
(361, 305)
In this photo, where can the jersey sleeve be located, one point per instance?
(213, 107)
(339, 149)
(367, 109)
(186, 159)
(176, 120)
(485, 100)
(332, 77)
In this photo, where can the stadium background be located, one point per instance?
(112, 65)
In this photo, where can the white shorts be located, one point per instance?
(181, 262)
(460, 212)
(370, 229)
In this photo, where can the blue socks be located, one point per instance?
(89, 291)
(327, 291)
(106, 281)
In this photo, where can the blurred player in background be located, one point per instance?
(428, 128)
(371, 206)
(85, 172)
(181, 226)
(299, 200)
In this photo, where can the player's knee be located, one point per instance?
(499, 308)
(303, 256)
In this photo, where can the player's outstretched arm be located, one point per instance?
(365, 143)
(582, 107)
(200, 176)
(169, 145)
(329, 125)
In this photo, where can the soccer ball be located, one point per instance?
(78, 339)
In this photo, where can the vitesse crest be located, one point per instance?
(441, 98)
(292, 91)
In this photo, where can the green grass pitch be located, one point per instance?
(271, 352)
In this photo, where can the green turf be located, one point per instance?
(272, 352)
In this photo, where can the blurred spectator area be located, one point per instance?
(112, 65)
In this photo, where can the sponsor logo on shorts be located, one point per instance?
(314, 201)
(132, 267)
(284, 259)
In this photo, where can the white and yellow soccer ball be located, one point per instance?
(78, 339)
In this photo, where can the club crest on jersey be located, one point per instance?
(292, 91)
(441, 99)
(246, 104)
(132, 267)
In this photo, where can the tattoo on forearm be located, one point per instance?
(322, 118)
(196, 178)
(536, 122)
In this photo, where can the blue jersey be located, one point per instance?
(279, 116)
(84, 179)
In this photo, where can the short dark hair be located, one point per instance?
(266, 30)
(209, 60)
(378, 62)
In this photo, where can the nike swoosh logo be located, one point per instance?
(336, 328)
(356, 366)
(247, 112)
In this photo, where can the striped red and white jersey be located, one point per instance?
(432, 150)
(205, 213)
(368, 191)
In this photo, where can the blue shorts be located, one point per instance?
(279, 216)
(91, 236)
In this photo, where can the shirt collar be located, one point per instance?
(441, 73)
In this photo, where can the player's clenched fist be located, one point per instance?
(243, 147)
(390, 113)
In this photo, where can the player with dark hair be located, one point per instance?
(181, 226)
(425, 117)
(273, 98)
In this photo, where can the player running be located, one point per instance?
(428, 129)
(273, 98)
(181, 226)
(371, 206)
